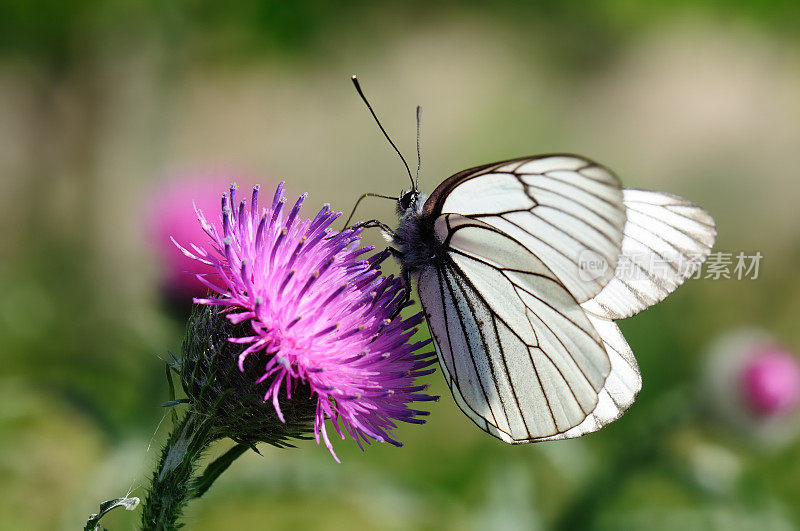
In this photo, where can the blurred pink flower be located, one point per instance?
(172, 215)
(754, 385)
(771, 380)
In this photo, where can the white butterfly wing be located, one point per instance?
(528, 367)
(522, 358)
(621, 386)
(496, 378)
(562, 208)
(666, 239)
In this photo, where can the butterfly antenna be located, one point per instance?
(419, 153)
(361, 93)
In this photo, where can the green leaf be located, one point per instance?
(176, 402)
(171, 392)
(217, 467)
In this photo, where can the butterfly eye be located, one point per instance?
(407, 199)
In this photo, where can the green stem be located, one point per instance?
(172, 485)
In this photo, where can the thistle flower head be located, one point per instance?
(320, 316)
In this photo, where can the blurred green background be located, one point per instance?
(102, 101)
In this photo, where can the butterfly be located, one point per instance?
(522, 267)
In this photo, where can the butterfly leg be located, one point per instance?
(405, 277)
(371, 224)
(374, 223)
(364, 196)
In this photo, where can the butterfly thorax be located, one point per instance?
(414, 238)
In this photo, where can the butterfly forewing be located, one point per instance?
(566, 210)
(666, 239)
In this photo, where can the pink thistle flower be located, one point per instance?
(321, 316)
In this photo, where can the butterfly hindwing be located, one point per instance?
(512, 374)
(621, 386)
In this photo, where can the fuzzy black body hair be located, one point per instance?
(414, 239)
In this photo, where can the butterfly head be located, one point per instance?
(407, 200)
(410, 202)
